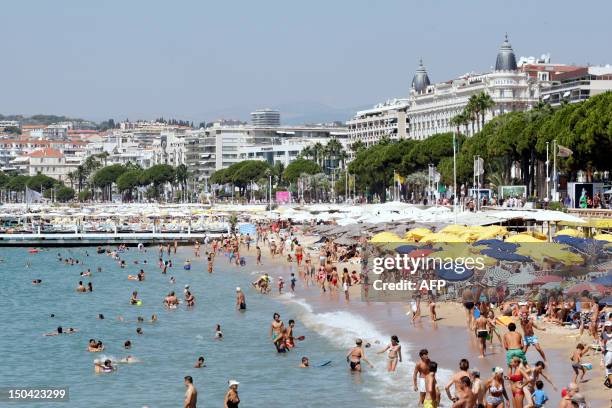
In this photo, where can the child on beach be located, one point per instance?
(293, 280)
(539, 395)
(576, 360)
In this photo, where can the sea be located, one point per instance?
(169, 348)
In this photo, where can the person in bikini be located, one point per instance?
(395, 353)
(495, 389)
(355, 355)
(518, 378)
(421, 369)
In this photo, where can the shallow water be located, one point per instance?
(169, 348)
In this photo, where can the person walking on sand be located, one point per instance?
(421, 369)
(191, 395)
(468, 303)
(395, 353)
(576, 359)
(432, 309)
(416, 307)
(482, 332)
(513, 343)
(465, 396)
(531, 339)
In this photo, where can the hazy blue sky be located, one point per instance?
(202, 59)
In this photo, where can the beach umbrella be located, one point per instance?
(591, 288)
(386, 237)
(603, 237)
(521, 278)
(522, 238)
(606, 301)
(570, 232)
(442, 237)
(584, 245)
(497, 244)
(416, 234)
(454, 272)
(405, 249)
(494, 276)
(541, 280)
(505, 256)
(604, 280)
(551, 286)
(420, 253)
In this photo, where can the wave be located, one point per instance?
(342, 328)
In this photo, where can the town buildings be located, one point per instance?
(429, 107)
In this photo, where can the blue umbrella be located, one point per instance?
(603, 280)
(584, 245)
(405, 249)
(505, 256)
(606, 301)
(498, 244)
(454, 272)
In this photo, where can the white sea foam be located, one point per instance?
(342, 328)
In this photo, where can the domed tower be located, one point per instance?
(420, 82)
(506, 61)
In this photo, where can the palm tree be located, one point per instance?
(104, 156)
(485, 103)
(181, 175)
(473, 110)
(333, 149)
(307, 152)
(72, 176)
(318, 151)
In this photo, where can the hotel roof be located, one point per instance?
(47, 152)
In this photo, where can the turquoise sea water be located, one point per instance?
(169, 348)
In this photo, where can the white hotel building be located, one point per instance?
(429, 108)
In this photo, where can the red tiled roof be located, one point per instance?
(47, 152)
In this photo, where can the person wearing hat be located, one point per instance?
(231, 397)
(495, 389)
(240, 299)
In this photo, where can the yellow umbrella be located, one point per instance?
(385, 237)
(522, 238)
(442, 237)
(603, 237)
(416, 234)
(570, 232)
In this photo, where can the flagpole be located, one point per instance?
(555, 169)
(547, 174)
(455, 176)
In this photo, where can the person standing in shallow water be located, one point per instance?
(240, 299)
(231, 397)
(191, 395)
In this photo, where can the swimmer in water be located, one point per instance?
(36, 282)
(200, 363)
(355, 355)
(153, 318)
(129, 360)
(127, 345)
(104, 367)
(59, 331)
(81, 288)
(134, 299)
(172, 280)
(101, 316)
(240, 299)
(218, 332)
(305, 363)
(139, 331)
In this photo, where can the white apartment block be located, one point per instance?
(52, 163)
(429, 107)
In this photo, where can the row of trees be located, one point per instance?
(15, 186)
(513, 139)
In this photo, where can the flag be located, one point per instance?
(563, 151)
(33, 196)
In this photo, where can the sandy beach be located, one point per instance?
(448, 340)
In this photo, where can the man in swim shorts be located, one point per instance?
(513, 343)
(482, 332)
(531, 339)
(421, 369)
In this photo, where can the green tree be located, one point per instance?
(64, 194)
(40, 183)
(127, 182)
(298, 167)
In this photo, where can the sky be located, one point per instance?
(203, 60)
